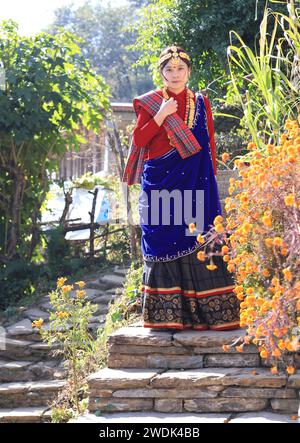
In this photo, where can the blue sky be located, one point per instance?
(33, 15)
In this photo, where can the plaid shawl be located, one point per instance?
(180, 136)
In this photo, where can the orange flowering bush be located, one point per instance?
(261, 240)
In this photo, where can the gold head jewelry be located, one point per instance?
(175, 55)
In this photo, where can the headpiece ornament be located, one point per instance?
(175, 55)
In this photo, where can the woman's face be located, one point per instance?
(175, 76)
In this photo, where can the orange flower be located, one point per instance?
(277, 241)
(192, 227)
(200, 239)
(269, 242)
(290, 370)
(226, 348)
(225, 249)
(239, 348)
(211, 267)
(276, 353)
(264, 354)
(225, 156)
(274, 370)
(251, 145)
(267, 220)
(288, 276)
(218, 219)
(230, 268)
(265, 273)
(219, 228)
(201, 255)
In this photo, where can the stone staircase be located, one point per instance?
(30, 378)
(187, 372)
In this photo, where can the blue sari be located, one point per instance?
(196, 193)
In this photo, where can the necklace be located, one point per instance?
(189, 108)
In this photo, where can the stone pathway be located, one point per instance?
(30, 378)
(152, 371)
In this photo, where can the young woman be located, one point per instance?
(173, 156)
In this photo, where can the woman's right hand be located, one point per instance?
(168, 106)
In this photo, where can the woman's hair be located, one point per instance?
(169, 49)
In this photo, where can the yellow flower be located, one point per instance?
(80, 294)
(61, 314)
(61, 281)
(38, 323)
(80, 283)
(67, 288)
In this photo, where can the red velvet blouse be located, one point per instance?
(148, 133)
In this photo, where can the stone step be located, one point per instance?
(160, 417)
(112, 281)
(12, 371)
(141, 347)
(25, 350)
(198, 390)
(29, 394)
(122, 271)
(25, 415)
